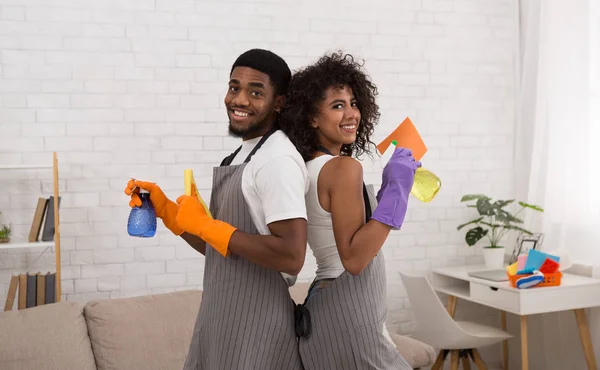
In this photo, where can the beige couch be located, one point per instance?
(146, 332)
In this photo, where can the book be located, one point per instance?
(48, 231)
(12, 293)
(38, 216)
(34, 290)
(22, 303)
(50, 287)
(31, 290)
(41, 290)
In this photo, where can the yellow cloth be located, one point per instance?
(189, 185)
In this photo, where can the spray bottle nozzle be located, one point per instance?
(385, 157)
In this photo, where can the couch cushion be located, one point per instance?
(147, 332)
(418, 354)
(52, 336)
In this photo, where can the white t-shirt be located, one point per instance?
(274, 182)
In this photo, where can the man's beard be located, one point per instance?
(254, 128)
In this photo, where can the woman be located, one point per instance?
(330, 115)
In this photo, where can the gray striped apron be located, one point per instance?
(246, 317)
(347, 316)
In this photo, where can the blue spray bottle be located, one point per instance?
(142, 220)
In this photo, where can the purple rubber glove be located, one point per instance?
(398, 178)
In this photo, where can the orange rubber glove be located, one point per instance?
(192, 217)
(165, 209)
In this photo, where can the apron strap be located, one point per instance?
(368, 212)
(227, 160)
(322, 149)
(260, 143)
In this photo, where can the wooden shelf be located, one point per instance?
(56, 242)
(24, 166)
(20, 245)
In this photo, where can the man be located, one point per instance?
(258, 235)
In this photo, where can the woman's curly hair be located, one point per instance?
(307, 90)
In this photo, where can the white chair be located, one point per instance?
(437, 328)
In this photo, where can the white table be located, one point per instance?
(575, 293)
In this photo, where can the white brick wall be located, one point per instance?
(118, 87)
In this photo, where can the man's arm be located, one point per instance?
(281, 185)
(284, 250)
(195, 242)
(278, 251)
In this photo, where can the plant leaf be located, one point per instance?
(484, 207)
(493, 226)
(512, 227)
(474, 235)
(499, 204)
(531, 206)
(469, 223)
(507, 218)
(469, 197)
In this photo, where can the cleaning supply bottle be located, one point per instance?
(426, 184)
(142, 220)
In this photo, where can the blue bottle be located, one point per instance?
(142, 220)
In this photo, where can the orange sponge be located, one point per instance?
(406, 136)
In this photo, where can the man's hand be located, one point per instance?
(164, 208)
(192, 218)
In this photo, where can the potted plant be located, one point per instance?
(494, 222)
(5, 230)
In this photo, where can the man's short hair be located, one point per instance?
(269, 63)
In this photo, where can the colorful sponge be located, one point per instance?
(521, 261)
(512, 269)
(530, 280)
(550, 266)
(535, 259)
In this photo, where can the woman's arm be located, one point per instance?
(340, 188)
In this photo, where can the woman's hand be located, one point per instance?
(398, 178)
